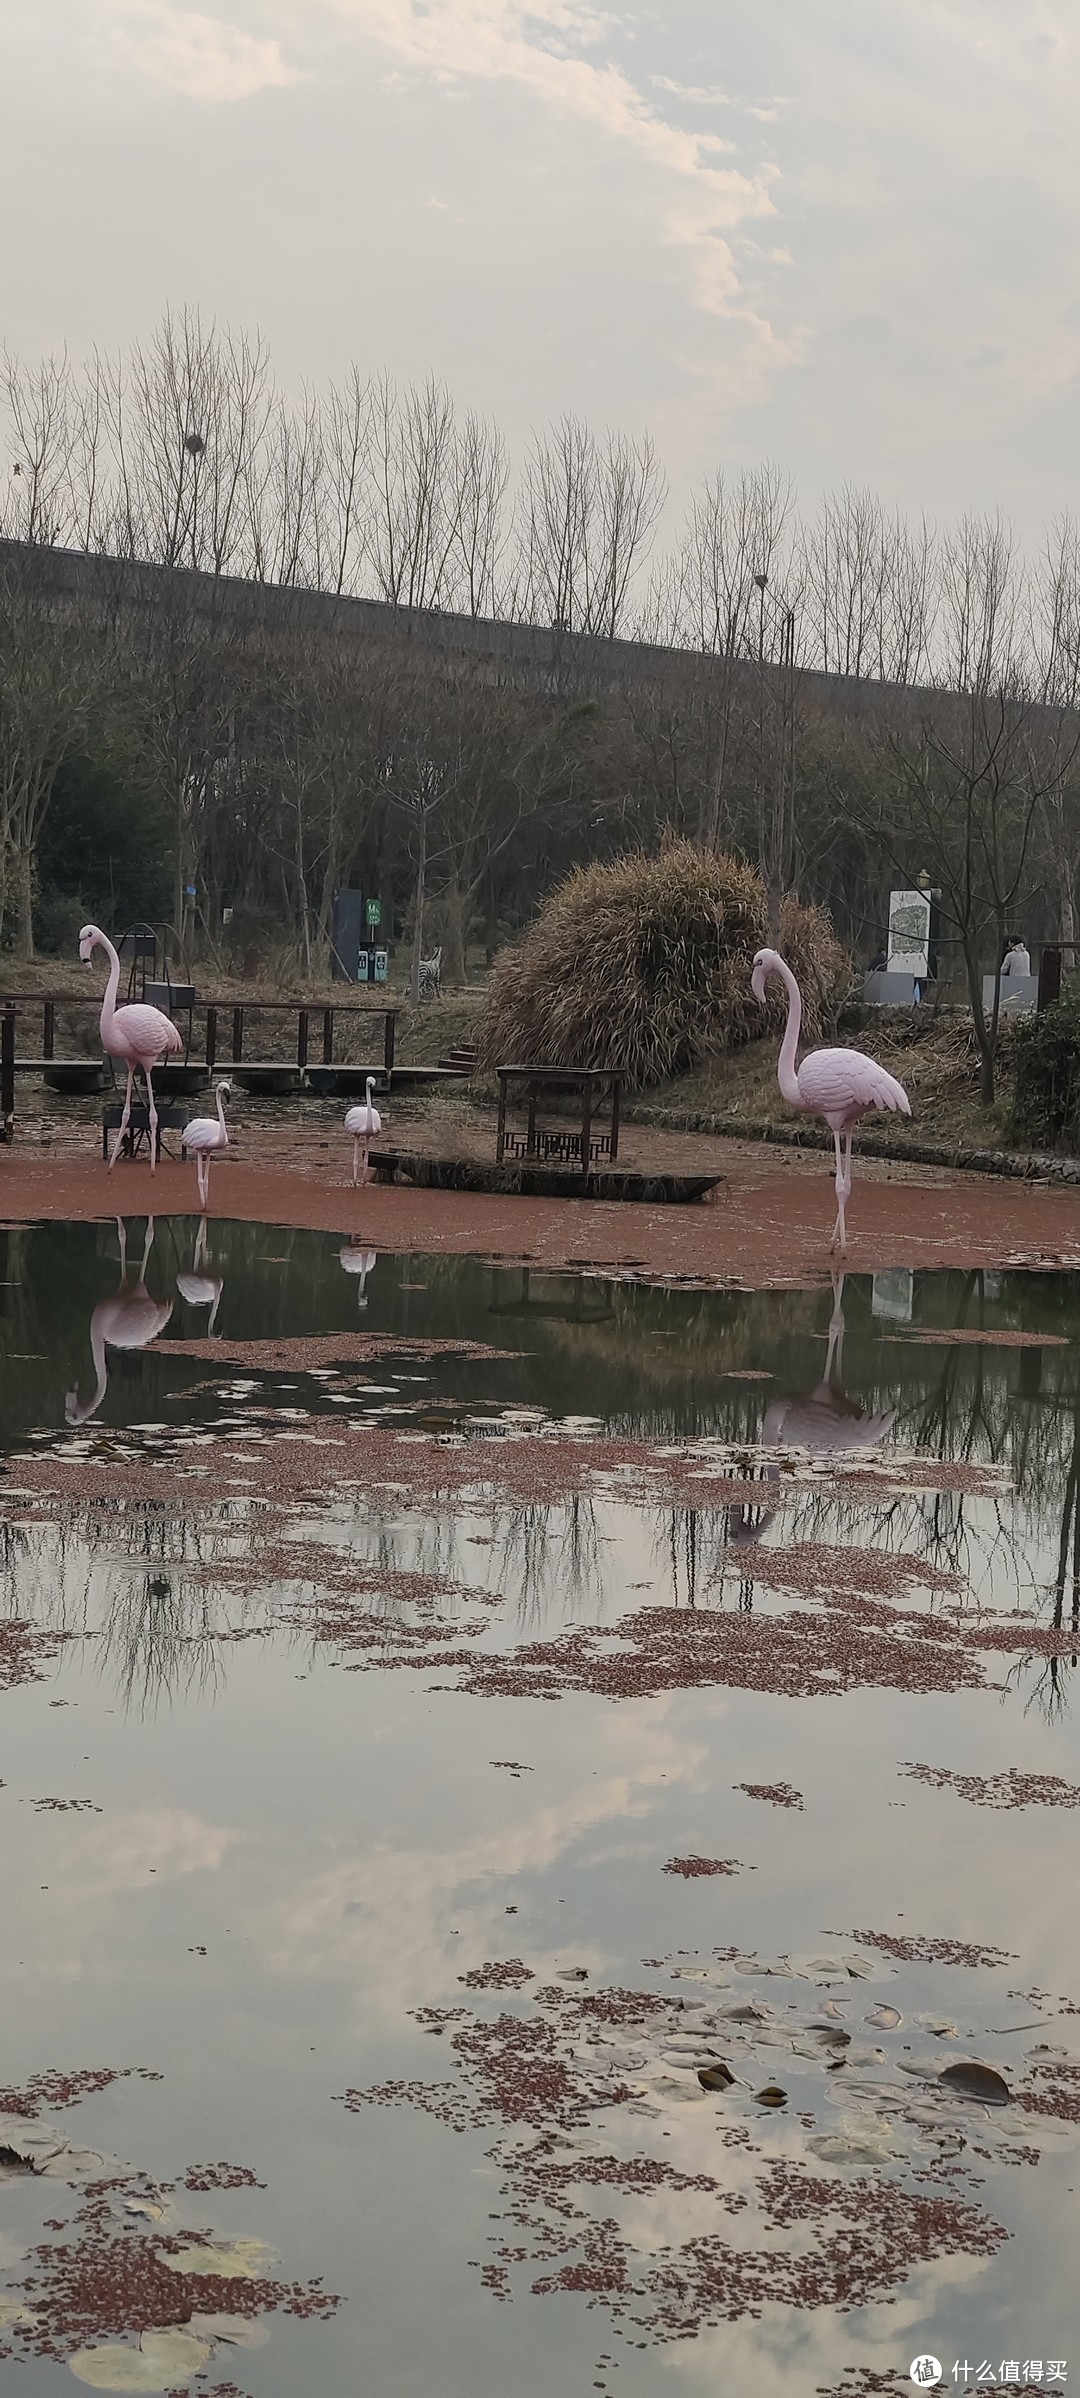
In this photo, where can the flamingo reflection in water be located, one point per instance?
(359, 1262)
(199, 1288)
(128, 1319)
(823, 1420)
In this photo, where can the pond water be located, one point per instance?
(525, 1798)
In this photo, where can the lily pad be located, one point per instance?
(972, 2080)
(238, 2330)
(885, 2019)
(12, 2312)
(771, 2096)
(116, 2368)
(177, 2351)
(231, 2260)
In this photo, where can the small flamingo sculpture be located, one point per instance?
(364, 1123)
(203, 1138)
(138, 1035)
(839, 1084)
(128, 1320)
(358, 1261)
(199, 1288)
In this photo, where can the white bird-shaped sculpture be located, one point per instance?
(358, 1261)
(129, 1319)
(199, 1288)
(364, 1123)
(838, 1084)
(136, 1034)
(204, 1137)
(824, 1420)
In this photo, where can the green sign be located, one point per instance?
(374, 913)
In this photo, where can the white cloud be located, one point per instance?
(538, 46)
(201, 57)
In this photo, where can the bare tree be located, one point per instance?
(588, 511)
(38, 404)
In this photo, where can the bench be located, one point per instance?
(170, 1119)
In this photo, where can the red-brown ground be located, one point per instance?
(767, 1225)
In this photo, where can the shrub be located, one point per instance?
(645, 965)
(1046, 1110)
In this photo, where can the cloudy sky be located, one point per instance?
(839, 233)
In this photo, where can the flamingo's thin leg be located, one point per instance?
(121, 1229)
(148, 1245)
(839, 1232)
(149, 1080)
(124, 1120)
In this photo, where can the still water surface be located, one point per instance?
(277, 1858)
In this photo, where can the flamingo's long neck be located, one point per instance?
(101, 1371)
(785, 1066)
(108, 1004)
(221, 1116)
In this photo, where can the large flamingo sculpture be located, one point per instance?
(839, 1084)
(138, 1035)
(364, 1123)
(204, 1137)
(824, 1420)
(129, 1319)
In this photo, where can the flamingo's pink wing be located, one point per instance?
(143, 1032)
(837, 1081)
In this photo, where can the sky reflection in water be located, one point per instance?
(343, 1846)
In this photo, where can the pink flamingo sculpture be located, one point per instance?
(364, 1123)
(130, 1319)
(839, 1084)
(138, 1035)
(204, 1136)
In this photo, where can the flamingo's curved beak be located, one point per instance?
(85, 949)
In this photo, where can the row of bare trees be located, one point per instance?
(186, 453)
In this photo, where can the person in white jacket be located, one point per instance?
(1017, 959)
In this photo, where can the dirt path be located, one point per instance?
(768, 1224)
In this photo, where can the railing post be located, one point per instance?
(389, 1021)
(7, 1072)
(237, 1034)
(211, 1038)
(48, 1028)
(301, 1038)
(328, 1036)
(1049, 977)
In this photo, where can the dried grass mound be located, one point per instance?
(645, 965)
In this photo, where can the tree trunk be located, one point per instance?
(418, 911)
(454, 911)
(24, 902)
(985, 1034)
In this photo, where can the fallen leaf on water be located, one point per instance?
(973, 2080)
(885, 2018)
(771, 2096)
(573, 1973)
(715, 2077)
